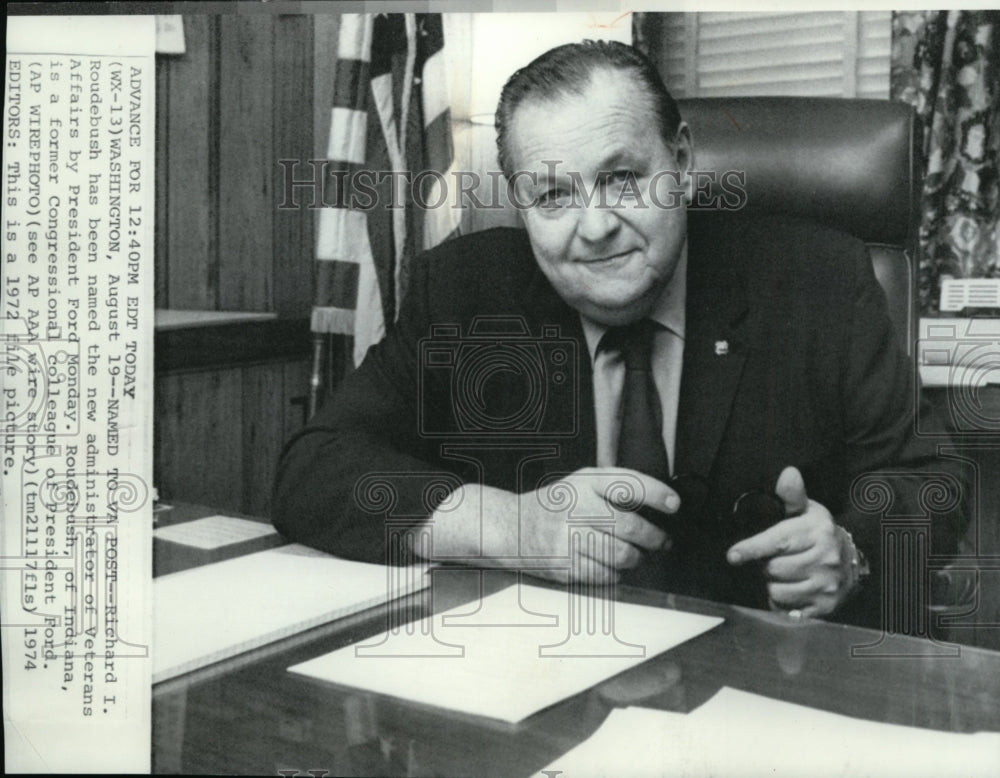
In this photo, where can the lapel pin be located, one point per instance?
(721, 348)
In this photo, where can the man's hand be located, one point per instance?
(535, 525)
(606, 492)
(807, 566)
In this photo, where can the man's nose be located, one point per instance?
(597, 222)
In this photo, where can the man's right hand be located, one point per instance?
(534, 526)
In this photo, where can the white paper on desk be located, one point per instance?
(216, 611)
(214, 532)
(501, 671)
(745, 735)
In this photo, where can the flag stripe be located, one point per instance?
(440, 223)
(389, 33)
(346, 185)
(369, 320)
(337, 282)
(347, 138)
(350, 86)
(342, 234)
(404, 222)
(434, 82)
(438, 149)
(389, 262)
(355, 39)
(330, 319)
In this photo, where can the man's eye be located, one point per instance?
(621, 176)
(554, 198)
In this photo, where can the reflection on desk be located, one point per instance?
(249, 715)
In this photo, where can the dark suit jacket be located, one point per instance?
(789, 359)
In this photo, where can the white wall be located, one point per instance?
(496, 44)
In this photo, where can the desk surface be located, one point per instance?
(248, 715)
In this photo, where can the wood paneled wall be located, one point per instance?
(250, 90)
(240, 99)
(219, 433)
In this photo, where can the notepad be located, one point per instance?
(743, 735)
(220, 610)
(213, 532)
(512, 654)
(186, 544)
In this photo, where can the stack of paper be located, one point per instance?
(213, 532)
(516, 652)
(216, 611)
(744, 735)
(210, 539)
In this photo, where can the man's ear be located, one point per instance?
(684, 155)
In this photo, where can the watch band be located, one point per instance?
(859, 568)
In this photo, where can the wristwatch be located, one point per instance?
(859, 568)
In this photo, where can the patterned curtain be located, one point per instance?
(947, 65)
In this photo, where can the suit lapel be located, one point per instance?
(716, 339)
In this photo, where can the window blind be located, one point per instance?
(831, 54)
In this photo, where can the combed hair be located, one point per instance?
(567, 69)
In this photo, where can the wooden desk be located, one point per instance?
(248, 715)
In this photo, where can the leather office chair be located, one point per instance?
(853, 165)
(850, 164)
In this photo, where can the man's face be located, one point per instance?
(610, 259)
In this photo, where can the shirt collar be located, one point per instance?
(668, 311)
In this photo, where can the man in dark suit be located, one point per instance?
(721, 397)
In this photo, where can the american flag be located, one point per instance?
(389, 115)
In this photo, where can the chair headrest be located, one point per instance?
(850, 164)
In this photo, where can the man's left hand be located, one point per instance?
(806, 564)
